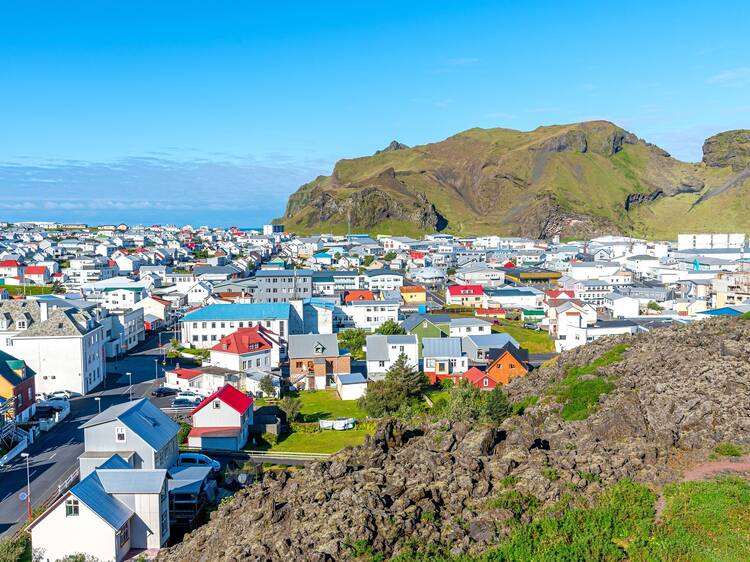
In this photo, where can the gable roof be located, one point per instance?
(358, 295)
(487, 341)
(142, 417)
(473, 375)
(244, 340)
(232, 397)
(9, 366)
(305, 345)
(416, 319)
(520, 355)
(377, 345)
(441, 347)
(466, 290)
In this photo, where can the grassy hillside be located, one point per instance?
(572, 180)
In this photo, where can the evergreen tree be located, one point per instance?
(497, 407)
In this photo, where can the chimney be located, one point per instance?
(43, 310)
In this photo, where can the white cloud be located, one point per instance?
(731, 77)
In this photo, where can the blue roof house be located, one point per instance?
(111, 512)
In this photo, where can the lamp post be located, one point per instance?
(99, 402)
(28, 485)
(130, 386)
(156, 369)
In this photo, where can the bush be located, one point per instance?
(446, 384)
(400, 392)
(183, 433)
(515, 502)
(550, 473)
(497, 408)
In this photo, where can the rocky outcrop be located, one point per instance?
(394, 145)
(679, 391)
(728, 149)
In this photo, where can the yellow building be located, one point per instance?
(414, 295)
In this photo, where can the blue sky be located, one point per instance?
(213, 112)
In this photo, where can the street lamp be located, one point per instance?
(28, 484)
(130, 386)
(156, 369)
(99, 402)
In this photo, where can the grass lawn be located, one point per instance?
(437, 394)
(328, 441)
(326, 405)
(536, 341)
(29, 290)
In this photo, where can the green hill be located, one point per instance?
(582, 179)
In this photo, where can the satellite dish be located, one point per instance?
(23, 496)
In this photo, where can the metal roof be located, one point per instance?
(377, 345)
(462, 322)
(142, 417)
(441, 347)
(303, 346)
(352, 378)
(252, 311)
(91, 492)
(486, 341)
(130, 481)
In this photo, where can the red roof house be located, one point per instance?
(358, 295)
(465, 295)
(247, 348)
(222, 421)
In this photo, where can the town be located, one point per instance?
(149, 372)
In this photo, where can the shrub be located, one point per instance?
(183, 433)
(516, 502)
(550, 473)
(446, 384)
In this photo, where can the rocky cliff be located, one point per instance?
(675, 394)
(582, 179)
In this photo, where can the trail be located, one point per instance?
(704, 471)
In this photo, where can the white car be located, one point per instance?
(198, 459)
(59, 395)
(188, 395)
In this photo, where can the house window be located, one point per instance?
(486, 382)
(120, 434)
(299, 364)
(123, 534)
(381, 363)
(71, 508)
(217, 404)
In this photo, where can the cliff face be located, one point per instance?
(582, 179)
(677, 393)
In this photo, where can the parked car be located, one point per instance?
(188, 394)
(40, 396)
(183, 403)
(59, 395)
(163, 391)
(198, 459)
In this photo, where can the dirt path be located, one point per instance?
(706, 470)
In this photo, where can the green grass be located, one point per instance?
(702, 521)
(580, 390)
(29, 290)
(328, 441)
(326, 405)
(536, 341)
(729, 450)
(746, 316)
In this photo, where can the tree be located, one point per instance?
(337, 256)
(291, 407)
(390, 256)
(397, 393)
(464, 402)
(266, 386)
(405, 380)
(353, 340)
(390, 328)
(368, 260)
(497, 407)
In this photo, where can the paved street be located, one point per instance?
(54, 455)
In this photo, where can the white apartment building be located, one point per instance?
(369, 315)
(709, 241)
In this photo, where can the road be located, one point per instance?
(54, 455)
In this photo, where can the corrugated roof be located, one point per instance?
(130, 481)
(141, 416)
(441, 347)
(304, 345)
(91, 492)
(352, 378)
(252, 311)
(486, 341)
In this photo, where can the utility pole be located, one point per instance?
(28, 485)
(130, 386)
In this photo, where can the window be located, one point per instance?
(71, 508)
(299, 364)
(486, 382)
(381, 363)
(120, 434)
(123, 534)
(217, 404)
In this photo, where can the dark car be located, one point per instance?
(163, 391)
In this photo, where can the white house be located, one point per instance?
(64, 347)
(461, 327)
(222, 421)
(382, 351)
(579, 334)
(122, 298)
(621, 306)
(592, 269)
(137, 431)
(247, 349)
(204, 327)
(109, 512)
(369, 315)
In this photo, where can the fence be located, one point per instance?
(14, 452)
